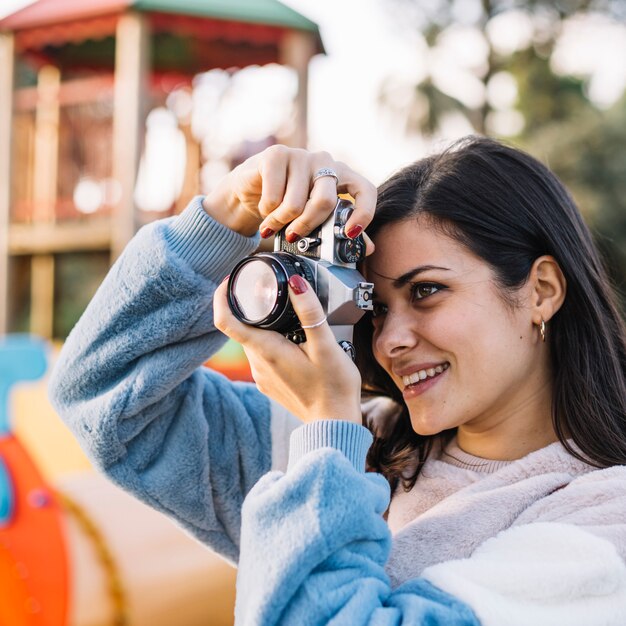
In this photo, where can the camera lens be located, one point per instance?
(258, 291)
(255, 289)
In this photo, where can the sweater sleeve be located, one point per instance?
(130, 385)
(314, 543)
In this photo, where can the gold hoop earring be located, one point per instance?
(542, 331)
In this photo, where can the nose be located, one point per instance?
(396, 335)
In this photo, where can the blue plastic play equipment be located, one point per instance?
(22, 358)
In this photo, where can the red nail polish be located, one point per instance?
(267, 232)
(354, 231)
(298, 284)
(292, 237)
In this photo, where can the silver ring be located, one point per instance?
(316, 324)
(325, 171)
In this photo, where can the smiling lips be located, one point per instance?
(420, 375)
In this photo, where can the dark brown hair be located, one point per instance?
(509, 209)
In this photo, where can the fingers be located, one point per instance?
(364, 193)
(316, 211)
(244, 334)
(273, 172)
(323, 199)
(369, 244)
(295, 191)
(223, 318)
(305, 203)
(310, 313)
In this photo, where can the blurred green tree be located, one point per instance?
(587, 151)
(549, 114)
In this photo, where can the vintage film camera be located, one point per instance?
(258, 290)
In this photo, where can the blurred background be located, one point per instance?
(114, 113)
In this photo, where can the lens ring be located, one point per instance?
(255, 290)
(241, 302)
(279, 315)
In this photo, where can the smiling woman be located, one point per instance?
(448, 314)
(496, 490)
(512, 309)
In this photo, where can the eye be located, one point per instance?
(378, 309)
(419, 291)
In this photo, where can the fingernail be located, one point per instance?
(266, 232)
(298, 284)
(292, 237)
(354, 231)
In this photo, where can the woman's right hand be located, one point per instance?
(275, 188)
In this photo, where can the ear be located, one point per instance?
(548, 288)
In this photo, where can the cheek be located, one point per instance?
(492, 350)
(467, 334)
(449, 330)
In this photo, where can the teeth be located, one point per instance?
(424, 374)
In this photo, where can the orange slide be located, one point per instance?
(74, 549)
(33, 558)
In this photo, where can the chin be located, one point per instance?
(427, 427)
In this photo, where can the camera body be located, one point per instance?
(327, 258)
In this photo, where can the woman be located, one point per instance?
(495, 333)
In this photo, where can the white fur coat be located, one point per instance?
(540, 542)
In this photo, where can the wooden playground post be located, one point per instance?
(132, 54)
(46, 161)
(42, 295)
(46, 166)
(7, 72)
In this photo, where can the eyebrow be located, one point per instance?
(399, 282)
(408, 276)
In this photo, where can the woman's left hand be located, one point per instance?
(314, 380)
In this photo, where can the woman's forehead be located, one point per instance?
(403, 247)
(403, 244)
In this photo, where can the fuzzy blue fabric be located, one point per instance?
(129, 385)
(314, 543)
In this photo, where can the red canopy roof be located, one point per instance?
(189, 35)
(50, 12)
(47, 12)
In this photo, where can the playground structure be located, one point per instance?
(77, 81)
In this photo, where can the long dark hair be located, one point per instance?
(509, 209)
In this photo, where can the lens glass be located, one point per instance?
(255, 289)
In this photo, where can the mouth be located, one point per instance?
(419, 377)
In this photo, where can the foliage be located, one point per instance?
(583, 145)
(587, 152)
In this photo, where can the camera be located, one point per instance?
(258, 285)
